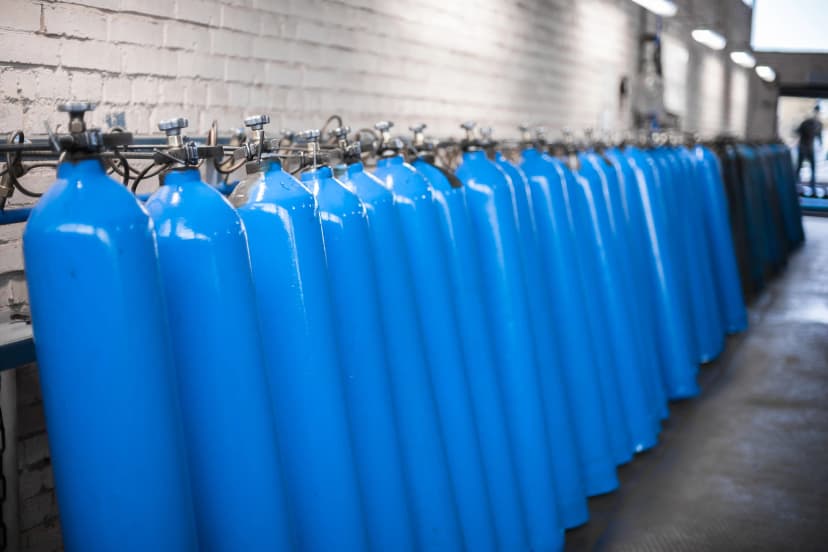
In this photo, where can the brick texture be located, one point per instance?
(38, 516)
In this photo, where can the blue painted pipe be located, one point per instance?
(14, 216)
(556, 250)
(112, 412)
(427, 257)
(304, 376)
(493, 228)
(358, 324)
(432, 501)
(487, 400)
(228, 419)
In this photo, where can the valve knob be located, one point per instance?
(340, 132)
(384, 126)
(468, 125)
(76, 107)
(524, 127)
(172, 127)
(256, 122)
(76, 111)
(418, 128)
(485, 132)
(309, 135)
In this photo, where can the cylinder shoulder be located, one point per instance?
(192, 208)
(94, 201)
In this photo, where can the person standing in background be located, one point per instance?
(809, 130)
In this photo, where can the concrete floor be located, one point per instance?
(744, 466)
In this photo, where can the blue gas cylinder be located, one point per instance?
(569, 470)
(727, 285)
(228, 419)
(633, 224)
(556, 252)
(498, 456)
(427, 258)
(666, 185)
(358, 324)
(112, 413)
(641, 422)
(637, 295)
(588, 255)
(295, 318)
(433, 505)
(711, 331)
(504, 297)
(674, 347)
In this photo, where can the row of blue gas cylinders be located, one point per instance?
(409, 359)
(765, 215)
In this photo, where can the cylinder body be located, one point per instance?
(556, 244)
(675, 351)
(478, 354)
(295, 316)
(112, 412)
(727, 285)
(228, 418)
(504, 297)
(633, 297)
(569, 477)
(633, 224)
(360, 340)
(427, 258)
(673, 232)
(614, 293)
(433, 507)
(711, 330)
(588, 256)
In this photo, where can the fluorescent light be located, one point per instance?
(744, 59)
(664, 8)
(766, 73)
(709, 38)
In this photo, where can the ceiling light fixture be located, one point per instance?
(744, 59)
(766, 73)
(664, 8)
(709, 38)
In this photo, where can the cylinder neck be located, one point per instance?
(184, 175)
(396, 159)
(79, 168)
(319, 173)
(474, 155)
(355, 168)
